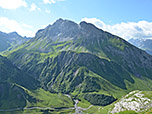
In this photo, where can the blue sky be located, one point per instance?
(125, 18)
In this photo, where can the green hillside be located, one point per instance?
(20, 91)
(80, 60)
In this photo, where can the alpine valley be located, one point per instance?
(75, 68)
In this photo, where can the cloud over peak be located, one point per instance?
(12, 4)
(141, 29)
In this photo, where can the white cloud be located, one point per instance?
(60, 0)
(12, 4)
(8, 25)
(34, 7)
(141, 29)
(27, 26)
(47, 11)
(51, 1)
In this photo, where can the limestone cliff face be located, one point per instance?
(137, 101)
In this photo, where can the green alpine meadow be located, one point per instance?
(73, 68)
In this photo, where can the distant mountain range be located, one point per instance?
(68, 63)
(11, 39)
(145, 44)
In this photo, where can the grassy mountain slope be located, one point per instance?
(10, 73)
(82, 59)
(19, 90)
(10, 76)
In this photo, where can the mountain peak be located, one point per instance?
(64, 22)
(88, 26)
(59, 20)
(14, 33)
(63, 29)
(83, 22)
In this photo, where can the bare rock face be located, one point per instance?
(135, 101)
